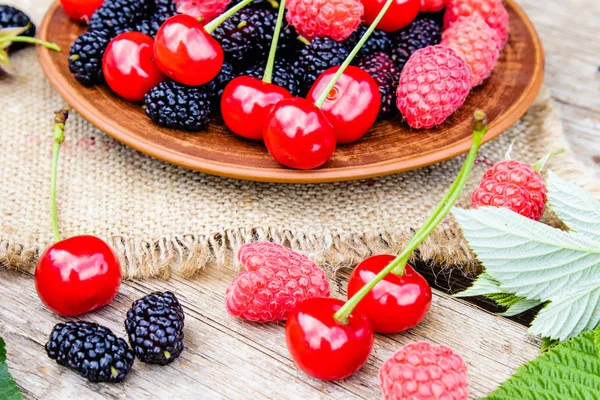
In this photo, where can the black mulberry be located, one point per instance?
(423, 32)
(91, 350)
(11, 17)
(85, 57)
(155, 327)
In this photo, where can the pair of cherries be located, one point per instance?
(183, 50)
(331, 340)
(297, 133)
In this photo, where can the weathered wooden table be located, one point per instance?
(226, 358)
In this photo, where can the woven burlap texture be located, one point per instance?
(159, 217)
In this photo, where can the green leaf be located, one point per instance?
(548, 344)
(574, 206)
(8, 388)
(539, 264)
(568, 371)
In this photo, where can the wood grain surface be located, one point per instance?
(229, 359)
(389, 147)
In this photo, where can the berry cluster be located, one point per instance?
(186, 52)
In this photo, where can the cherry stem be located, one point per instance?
(214, 24)
(268, 76)
(321, 100)
(27, 39)
(59, 137)
(480, 127)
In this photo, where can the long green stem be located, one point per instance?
(268, 76)
(480, 127)
(27, 39)
(59, 138)
(214, 24)
(353, 53)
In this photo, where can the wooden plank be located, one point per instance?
(230, 359)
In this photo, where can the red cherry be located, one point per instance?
(128, 65)
(395, 304)
(298, 134)
(353, 103)
(246, 102)
(77, 275)
(323, 347)
(400, 14)
(185, 52)
(80, 10)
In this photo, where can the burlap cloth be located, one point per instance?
(159, 217)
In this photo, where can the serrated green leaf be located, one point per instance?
(574, 206)
(520, 306)
(548, 344)
(484, 284)
(539, 263)
(8, 388)
(569, 371)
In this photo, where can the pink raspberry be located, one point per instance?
(273, 281)
(492, 11)
(432, 5)
(514, 185)
(207, 9)
(477, 43)
(334, 18)
(424, 371)
(434, 83)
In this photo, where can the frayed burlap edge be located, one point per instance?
(189, 253)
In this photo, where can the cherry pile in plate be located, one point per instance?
(320, 79)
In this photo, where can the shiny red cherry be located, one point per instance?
(353, 103)
(323, 347)
(185, 52)
(395, 304)
(80, 10)
(77, 275)
(245, 103)
(298, 135)
(400, 14)
(128, 65)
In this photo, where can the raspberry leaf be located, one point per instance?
(8, 388)
(538, 263)
(567, 371)
(574, 206)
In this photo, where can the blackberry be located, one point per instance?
(321, 54)
(384, 72)
(85, 57)
(378, 41)
(217, 85)
(117, 16)
(423, 32)
(247, 35)
(91, 350)
(11, 17)
(155, 327)
(259, 4)
(165, 7)
(174, 105)
(152, 25)
(283, 75)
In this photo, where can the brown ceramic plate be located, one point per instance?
(388, 148)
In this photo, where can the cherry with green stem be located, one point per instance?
(185, 50)
(303, 133)
(79, 274)
(314, 337)
(246, 100)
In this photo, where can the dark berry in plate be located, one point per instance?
(378, 41)
(117, 16)
(85, 57)
(283, 75)
(423, 32)
(384, 72)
